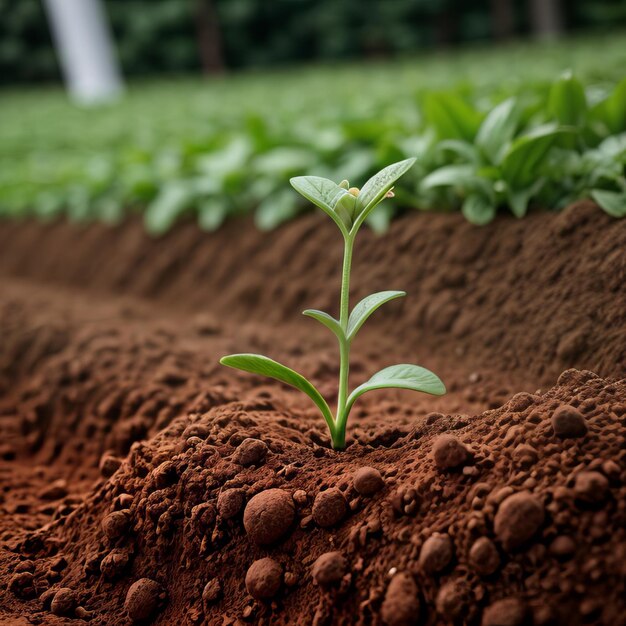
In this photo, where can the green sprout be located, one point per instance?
(348, 207)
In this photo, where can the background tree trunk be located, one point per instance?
(546, 18)
(209, 37)
(502, 19)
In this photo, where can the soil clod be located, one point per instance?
(368, 481)
(64, 602)
(268, 516)
(250, 452)
(484, 557)
(329, 569)
(401, 606)
(519, 518)
(436, 554)
(264, 579)
(506, 612)
(143, 600)
(329, 508)
(449, 453)
(568, 423)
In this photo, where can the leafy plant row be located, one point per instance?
(478, 150)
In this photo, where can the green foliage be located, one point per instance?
(558, 149)
(348, 217)
(486, 140)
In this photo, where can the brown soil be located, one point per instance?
(131, 489)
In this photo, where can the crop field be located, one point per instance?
(228, 146)
(440, 440)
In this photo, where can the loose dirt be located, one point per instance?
(144, 483)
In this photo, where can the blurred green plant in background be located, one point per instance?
(511, 126)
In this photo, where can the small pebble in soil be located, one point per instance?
(519, 518)
(22, 585)
(46, 597)
(368, 481)
(405, 500)
(64, 602)
(115, 525)
(109, 464)
(143, 599)
(212, 591)
(55, 491)
(562, 547)
(436, 553)
(525, 455)
(401, 606)
(329, 508)
(452, 600)
(114, 563)
(230, 502)
(264, 578)
(484, 557)
(568, 422)
(591, 487)
(268, 516)
(506, 612)
(449, 452)
(82, 613)
(300, 497)
(329, 569)
(250, 452)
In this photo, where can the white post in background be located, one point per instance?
(83, 42)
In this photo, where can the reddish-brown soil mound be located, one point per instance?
(142, 482)
(537, 295)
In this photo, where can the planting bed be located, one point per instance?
(131, 489)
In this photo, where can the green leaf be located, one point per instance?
(613, 202)
(171, 202)
(258, 364)
(518, 200)
(567, 102)
(463, 149)
(478, 209)
(611, 111)
(497, 130)
(323, 193)
(366, 307)
(451, 116)
(450, 176)
(403, 376)
(328, 320)
(376, 188)
(276, 209)
(212, 213)
(523, 159)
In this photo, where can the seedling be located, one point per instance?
(348, 207)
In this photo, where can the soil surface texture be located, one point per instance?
(143, 483)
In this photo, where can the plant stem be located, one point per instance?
(339, 436)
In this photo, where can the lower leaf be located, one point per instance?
(478, 209)
(403, 376)
(612, 202)
(258, 364)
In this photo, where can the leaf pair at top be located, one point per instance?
(347, 210)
